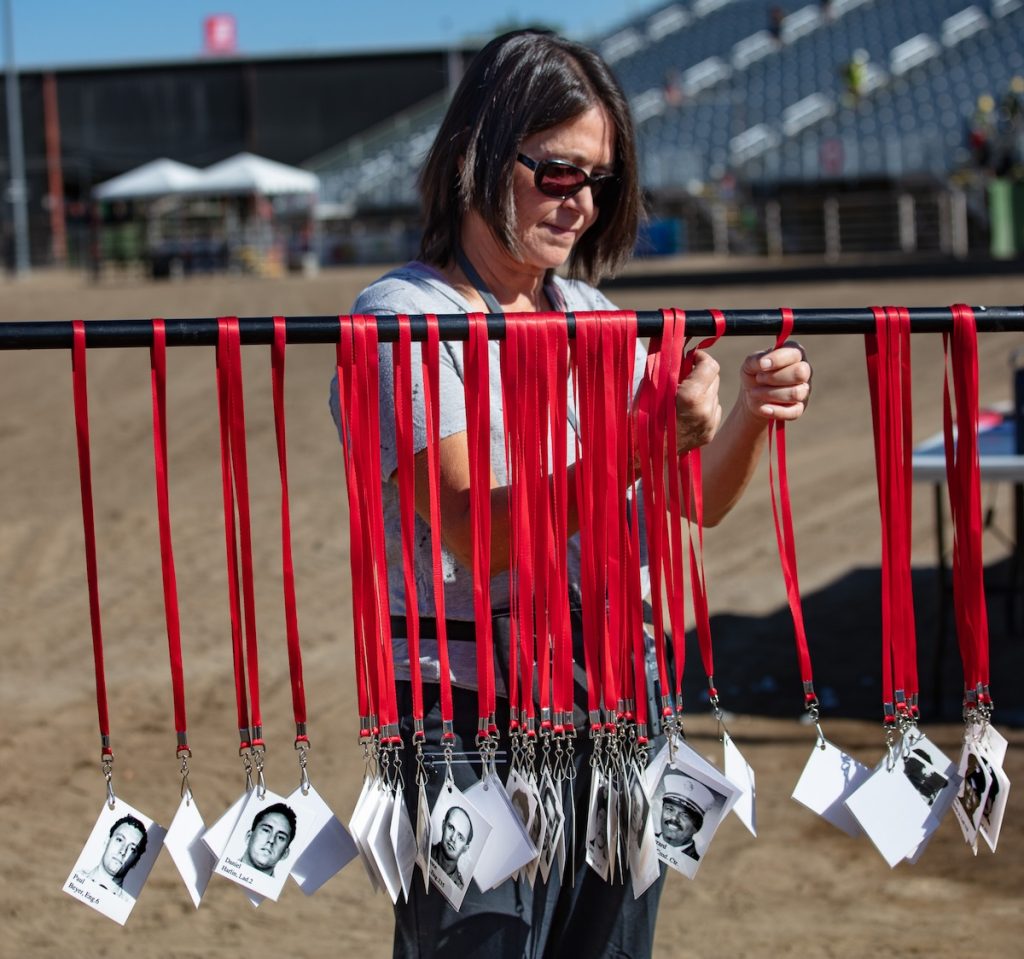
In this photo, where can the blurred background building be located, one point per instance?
(818, 127)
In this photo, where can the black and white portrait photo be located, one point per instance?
(125, 846)
(639, 810)
(116, 860)
(597, 826)
(526, 803)
(458, 832)
(257, 855)
(974, 789)
(269, 838)
(554, 819)
(456, 838)
(687, 812)
(920, 769)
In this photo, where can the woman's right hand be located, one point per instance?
(698, 410)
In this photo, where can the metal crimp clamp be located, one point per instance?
(107, 765)
(302, 747)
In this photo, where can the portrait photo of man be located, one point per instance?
(974, 788)
(920, 771)
(269, 838)
(125, 846)
(684, 804)
(456, 838)
(553, 820)
(115, 862)
(597, 828)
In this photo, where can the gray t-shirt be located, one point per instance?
(414, 289)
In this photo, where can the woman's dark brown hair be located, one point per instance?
(522, 83)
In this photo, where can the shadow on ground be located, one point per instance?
(756, 665)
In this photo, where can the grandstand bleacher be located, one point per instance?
(717, 97)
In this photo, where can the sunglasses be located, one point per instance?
(560, 179)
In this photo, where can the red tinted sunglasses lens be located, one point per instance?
(560, 179)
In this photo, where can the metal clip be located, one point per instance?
(421, 770)
(303, 750)
(258, 753)
(186, 791)
(107, 764)
(247, 766)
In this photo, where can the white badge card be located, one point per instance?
(652, 774)
(378, 844)
(740, 772)
(541, 823)
(184, 842)
(688, 806)
(991, 740)
(216, 837)
(423, 836)
(403, 841)
(976, 777)
(639, 815)
(257, 854)
(115, 861)
(554, 822)
(644, 865)
(324, 847)
(685, 757)
(993, 807)
(509, 848)
(525, 801)
(614, 806)
(598, 856)
(359, 825)
(895, 805)
(829, 778)
(458, 834)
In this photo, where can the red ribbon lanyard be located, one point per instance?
(655, 416)
(478, 434)
(888, 361)
(605, 345)
(376, 605)
(346, 403)
(693, 508)
(401, 352)
(81, 401)
(291, 619)
(158, 378)
(235, 486)
(514, 354)
(556, 349)
(963, 472)
(432, 412)
(534, 358)
(782, 514)
(584, 363)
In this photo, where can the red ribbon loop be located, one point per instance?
(81, 403)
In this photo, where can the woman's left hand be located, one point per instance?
(776, 384)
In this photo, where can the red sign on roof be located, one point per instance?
(220, 34)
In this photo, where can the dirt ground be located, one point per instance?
(800, 889)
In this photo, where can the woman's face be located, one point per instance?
(548, 228)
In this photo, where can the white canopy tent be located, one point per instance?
(240, 175)
(157, 178)
(245, 212)
(246, 173)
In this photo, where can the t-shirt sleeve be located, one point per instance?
(395, 296)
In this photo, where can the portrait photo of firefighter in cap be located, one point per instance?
(687, 812)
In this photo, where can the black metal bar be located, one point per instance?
(324, 329)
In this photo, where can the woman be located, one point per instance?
(534, 168)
